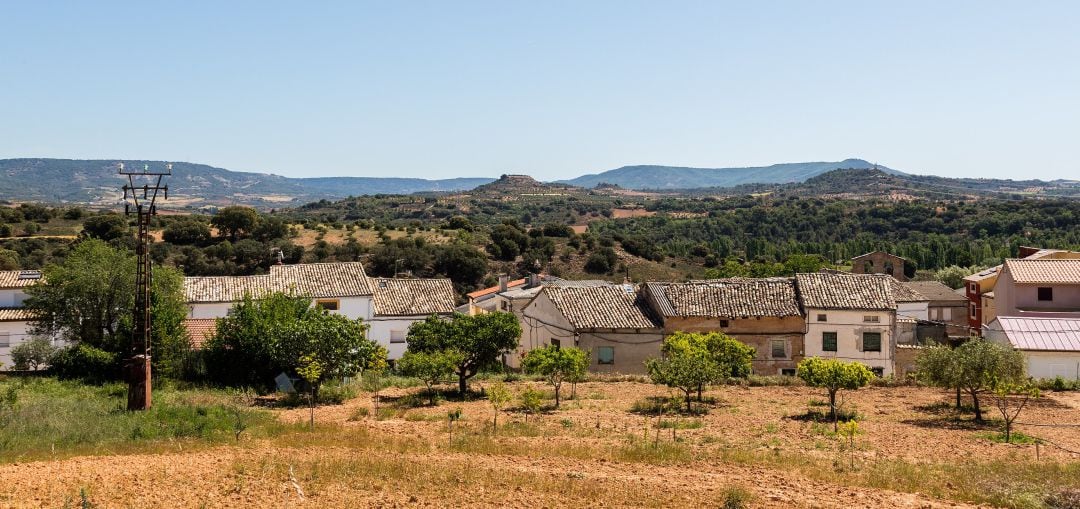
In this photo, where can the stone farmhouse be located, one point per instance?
(388, 306)
(763, 313)
(608, 320)
(839, 315)
(880, 262)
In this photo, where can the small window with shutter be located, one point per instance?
(828, 341)
(397, 336)
(871, 341)
(779, 349)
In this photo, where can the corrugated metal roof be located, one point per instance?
(1045, 334)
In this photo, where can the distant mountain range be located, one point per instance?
(680, 177)
(97, 182)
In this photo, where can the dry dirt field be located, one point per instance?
(754, 442)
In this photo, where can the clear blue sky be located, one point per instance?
(553, 89)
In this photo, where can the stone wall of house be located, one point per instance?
(629, 349)
(879, 263)
(905, 360)
(759, 333)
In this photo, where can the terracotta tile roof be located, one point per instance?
(316, 280)
(727, 298)
(494, 289)
(871, 253)
(904, 293)
(19, 278)
(935, 291)
(1048, 271)
(405, 297)
(15, 315)
(983, 274)
(200, 330)
(833, 290)
(607, 306)
(1047, 334)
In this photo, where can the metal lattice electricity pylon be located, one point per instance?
(142, 198)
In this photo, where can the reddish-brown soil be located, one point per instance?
(402, 459)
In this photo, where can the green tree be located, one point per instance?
(33, 354)
(87, 297)
(339, 344)
(975, 367)
(243, 349)
(1010, 398)
(235, 221)
(499, 396)
(170, 343)
(430, 367)
(730, 357)
(9, 260)
(686, 365)
(106, 227)
(187, 232)
(557, 365)
(311, 371)
(936, 365)
(833, 376)
(953, 276)
(481, 339)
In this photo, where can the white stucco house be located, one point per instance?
(851, 317)
(1051, 346)
(15, 320)
(388, 306)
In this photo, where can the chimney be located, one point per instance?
(504, 280)
(534, 280)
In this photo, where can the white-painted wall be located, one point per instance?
(381, 331)
(1053, 364)
(17, 332)
(11, 298)
(351, 307)
(849, 327)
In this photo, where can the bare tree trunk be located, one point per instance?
(975, 401)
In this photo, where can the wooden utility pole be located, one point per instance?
(142, 198)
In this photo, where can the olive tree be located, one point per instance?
(975, 367)
(557, 365)
(833, 376)
(33, 354)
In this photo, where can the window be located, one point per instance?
(822, 317)
(972, 308)
(779, 349)
(974, 288)
(5, 339)
(878, 372)
(871, 319)
(397, 336)
(871, 341)
(828, 341)
(787, 372)
(724, 323)
(328, 304)
(945, 314)
(1046, 293)
(605, 355)
(556, 343)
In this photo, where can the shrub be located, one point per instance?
(834, 375)
(85, 362)
(32, 354)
